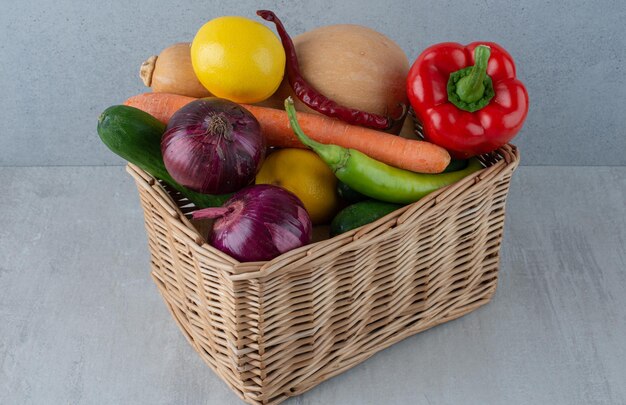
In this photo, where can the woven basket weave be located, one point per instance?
(275, 329)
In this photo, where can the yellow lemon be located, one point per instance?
(238, 59)
(303, 173)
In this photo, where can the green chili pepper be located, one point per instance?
(373, 178)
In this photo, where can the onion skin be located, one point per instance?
(259, 223)
(213, 146)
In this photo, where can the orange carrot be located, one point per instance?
(409, 154)
(160, 105)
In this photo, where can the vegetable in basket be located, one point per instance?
(258, 223)
(306, 175)
(213, 145)
(373, 178)
(467, 97)
(171, 72)
(359, 214)
(314, 99)
(410, 154)
(363, 210)
(351, 196)
(136, 136)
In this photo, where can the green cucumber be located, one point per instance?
(456, 164)
(136, 136)
(348, 194)
(359, 214)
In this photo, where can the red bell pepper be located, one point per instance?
(467, 97)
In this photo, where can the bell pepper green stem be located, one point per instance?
(471, 89)
(335, 156)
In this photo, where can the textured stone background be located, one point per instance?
(63, 62)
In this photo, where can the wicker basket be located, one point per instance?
(275, 329)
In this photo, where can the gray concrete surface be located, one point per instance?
(82, 323)
(63, 62)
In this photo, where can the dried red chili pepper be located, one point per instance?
(312, 98)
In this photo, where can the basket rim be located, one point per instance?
(508, 160)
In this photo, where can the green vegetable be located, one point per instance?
(471, 89)
(359, 214)
(136, 136)
(373, 178)
(456, 164)
(349, 195)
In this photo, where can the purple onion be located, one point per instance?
(213, 146)
(258, 223)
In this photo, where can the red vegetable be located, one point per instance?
(467, 97)
(312, 98)
(259, 223)
(213, 146)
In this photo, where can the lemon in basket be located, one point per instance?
(238, 59)
(306, 175)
